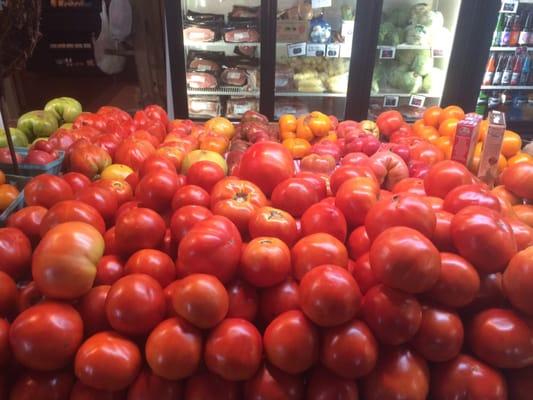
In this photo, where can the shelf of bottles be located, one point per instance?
(508, 79)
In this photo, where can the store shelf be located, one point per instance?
(309, 94)
(405, 46)
(501, 87)
(499, 48)
(428, 95)
(218, 44)
(224, 91)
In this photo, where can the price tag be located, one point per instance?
(437, 53)
(316, 50)
(417, 101)
(509, 6)
(387, 53)
(296, 49)
(320, 3)
(391, 101)
(333, 50)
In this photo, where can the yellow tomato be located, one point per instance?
(287, 123)
(203, 155)
(512, 143)
(286, 135)
(303, 131)
(221, 126)
(319, 123)
(519, 158)
(299, 148)
(116, 171)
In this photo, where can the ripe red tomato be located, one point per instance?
(518, 179)
(185, 218)
(329, 295)
(272, 383)
(46, 190)
(76, 181)
(519, 383)
(389, 122)
(205, 174)
(237, 200)
(107, 361)
(243, 300)
(401, 210)
(139, 228)
(294, 195)
(154, 263)
(317, 249)
(135, 304)
(64, 262)
(410, 185)
(174, 349)
(8, 295)
(92, 310)
(400, 373)
(5, 350)
(42, 385)
(458, 282)
(319, 182)
(518, 281)
(156, 162)
(233, 349)
(133, 152)
(45, 337)
(15, 252)
(446, 175)
(358, 243)
(393, 316)
(427, 153)
(266, 164)
(201, 299)
(212, 246)
(156, 189)
(404, 259)
(470, 195)
(269, 221)
(148, 385)
(522, 232)
(190, 195)
(323, 384)
(326, 218)
(122, 189)
(277, 299)
(28, 220)
(362, 272)
(355, 198)
(109, 269)
(440, 336)
(466, 376)
(103, 200)
(345, 172)
(265, 261)
(29, 295)
(482, 236)
(206, 385)
(442, 236)
(349, 350)
(81, 391)
(291, 342)
(72, 210)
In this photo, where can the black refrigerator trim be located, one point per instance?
(365, 41)
(268, 58)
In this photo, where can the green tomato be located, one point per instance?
(19, 138)
(37, 123)
(66, 109)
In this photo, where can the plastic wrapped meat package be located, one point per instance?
(237, 106)
(202, 27)
(201, 80)
(204, 107)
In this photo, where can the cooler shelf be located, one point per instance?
(500, 48)
(224, 91)
(217, 44)
(310, 94)
(428, 95)
(508, 87)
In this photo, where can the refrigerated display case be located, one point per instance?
(414, 49)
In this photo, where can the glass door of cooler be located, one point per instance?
(313, 50)
(508, 80)
(221, 41)
(414, 46)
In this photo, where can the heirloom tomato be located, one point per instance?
(265, 261)
(76, 181)
(362, 272)
(132, 152)
(446, 176)
(518, 179)
(322, 217)
(295, 195)
(190, 195)
(72, 210)
(154, 263)
(355, 198)
(518, 281)
(139, 228)
(470, 195)
(121, 188)
(269, 221)
(358, 243)
(103, 200)
(15, 252)
(205, 174)
(156, 189)
(46, 190)
(184, 218)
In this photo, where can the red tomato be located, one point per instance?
(8, 295)
(518, 179)
(156, 162)
(109, 269)
(92, 310)
(42, 385)
(319, 182)
(442, 236)
(389, 122)
(458, 282)
(466, 376)
(148, 385)
(15, 252)
(445, 176)
(404, 259)
(206, 385)
(103, 200)
(482, 236)
(72, 210)
(362, 272)
(46, 190)
(522, 232)
(345, 172)
(133, 153)
(243, 300)
(76, 181)
(400, 374)
(233, 349)
(107, 361)
(29, 295)
(427, 153)
(204, 174)
(358, 243)
(5, 351)
(46, 336)
(154, 263)
(291, 342)
(349, 350)
(494, 331)
(135, 304)
(84, 392)
(294, 195)
(518, 282)
(355, 198)
(126, 207)
(265, 261)
(276, 300)
(401, 210)
(174, 349)
(410, 185)
(329, 295)
(470, 195)
(440, 336)
(393, 316)
(272, 383)
(28, 220)
(156, 189)
(269, 221)
(323, 384)
(212, 246)
(519, 383)
(201, 300)
(266, 164)
(185, 218)
(322, 217)
(64, 262)
(120, 187)
(190, 195)
(139, 228)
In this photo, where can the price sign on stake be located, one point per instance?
(391, 101)
(296, 49)
(509, 6)
(316, 50)
(333, 50)
(417, 101)
(387, 53)
(320, 3)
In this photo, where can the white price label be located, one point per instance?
(333, 50)
(387, 52)
(417, 101)
(296, 49)
(391, 101)
(320, 3)
(316, 50)
(437, 53)
(509, 6)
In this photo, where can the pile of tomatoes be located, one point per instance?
(272, 283)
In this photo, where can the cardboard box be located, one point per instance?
(466, 137)
(492, 146)
(292, 31)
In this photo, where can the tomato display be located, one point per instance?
(154, 263)
(72, 210)
(272, 383)
(269, 221)
(46, 190)
(15, 252)
(265, 261)
(139, 228)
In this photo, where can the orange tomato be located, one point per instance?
(502, 163)
(448, 127)
(299, 148)
(474, 165)
(445, 144)
(519, 158)
(429, 133)
(432, 115)
(287, 123)
(331, 136)
(524, 213)
(477, 149)
(287, 135)
(8, 193)
(217, 143)
(483, 128)
(418, 125)
(502, 193)
(116, 171)
(221, 126)
(451, 112)
(303, 131)
(198, 130)
(319, 123)
(512, 143)
(2, 177)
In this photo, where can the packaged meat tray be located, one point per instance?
(201, 80)
(201, 33)
(205, 61)
(204, 107)
(237, 106)
(241, 33)
(234, 77)
(243, 12)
